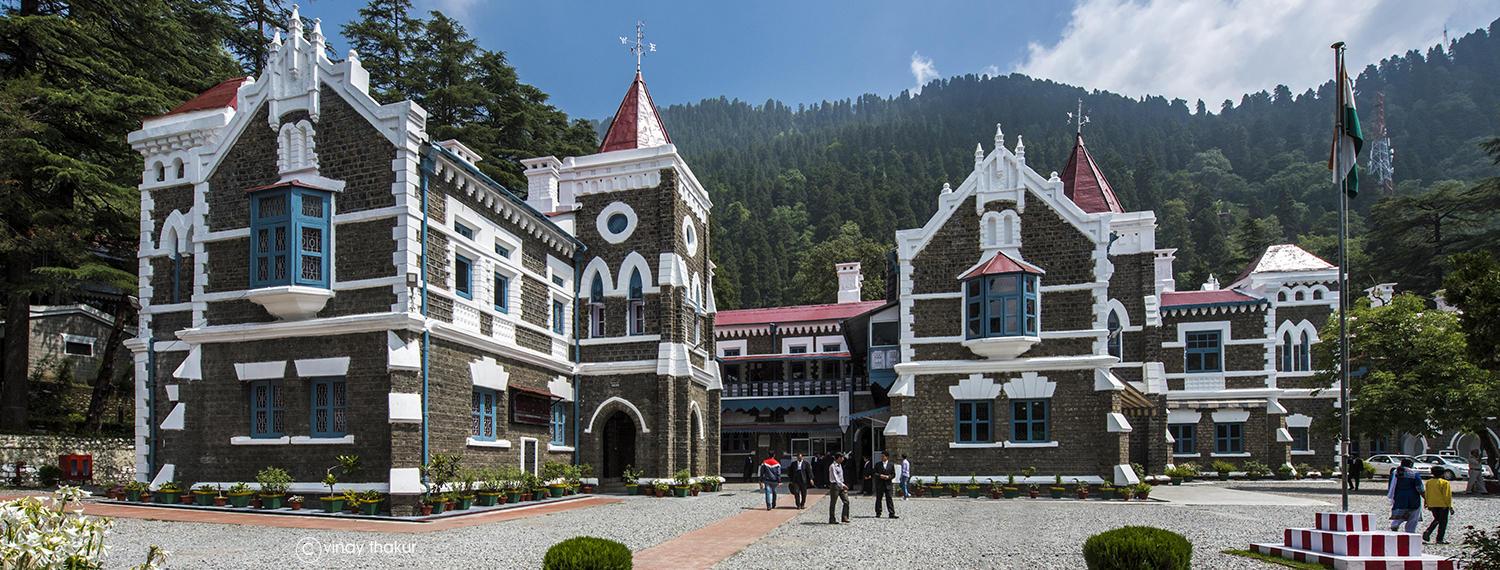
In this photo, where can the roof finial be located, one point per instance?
(641, 47)
(1078, 119)
(999, 137)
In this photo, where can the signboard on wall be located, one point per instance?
(844, 411)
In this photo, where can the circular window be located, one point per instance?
(690, 235)
(618, 223)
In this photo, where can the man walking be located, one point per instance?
(885, 475)
(905, 477)
(770, 479)
(1354, 467)
(1439, 496)
(1476, 474)
(837, 490)
(800, 476)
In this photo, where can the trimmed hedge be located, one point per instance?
(1138, 548)
(588, 553)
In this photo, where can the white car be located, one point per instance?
(1386, 464)
(1450, 467)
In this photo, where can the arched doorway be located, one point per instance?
(692, 446)
(619, 445)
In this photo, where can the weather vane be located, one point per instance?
(640, 48)
(1078, 118)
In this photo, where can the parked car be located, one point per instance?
(1450, 467)
(1387, 464)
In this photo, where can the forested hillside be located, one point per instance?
(1224, 180)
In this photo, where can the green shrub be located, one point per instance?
(587, 553)
(49, 474)
(1136, 548)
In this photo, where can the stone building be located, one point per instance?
(319, 279)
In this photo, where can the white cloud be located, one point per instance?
(456, 9)
(990, 71)
(923, 70)
(1222, 49)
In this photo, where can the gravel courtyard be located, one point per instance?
(931, 533)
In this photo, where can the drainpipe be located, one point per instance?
(151, 403)
(577, 348)
(426, 173)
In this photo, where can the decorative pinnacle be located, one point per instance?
(1078, 119)
(999, 137)
(641, 47)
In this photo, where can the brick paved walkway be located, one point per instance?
(706, 546)
(125, 510)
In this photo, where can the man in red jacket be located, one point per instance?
(770, 479)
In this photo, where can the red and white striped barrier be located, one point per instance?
(1345, 542)
(1344, 522)
(1354, 543)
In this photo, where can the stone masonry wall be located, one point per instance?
(113, 457)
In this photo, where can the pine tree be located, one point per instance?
(385, 37)
(80, 75)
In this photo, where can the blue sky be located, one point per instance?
(805, 52)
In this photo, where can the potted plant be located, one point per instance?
(369, 502)
(953, 489)
(1057, 489)
(204, 495)
(240, 494)
(554, 476)
(936, 487)
(349, 465)
(351, 501)
(694, 488)
(662, 487)
(186, 496)
(1142, 491)
(917, 489)
(631, 476)
(439, 470)
(1106, 491)
(1254, 469)
(1306, 471)
(490, 487)
(274, 483)
(1223, 468)
(510, 480)
(1081, 488)
(467, 480)
(973, 487)
(713, 483)
(1284, 472)
(295, 502)
(1189, 471)
(168, 492)
(996, 489)
(682, 480)
(1176, 474)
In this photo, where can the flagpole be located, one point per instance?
(1345, 447)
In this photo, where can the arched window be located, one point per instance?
(1114, 335)
(1286, 353)
(1301, 296)
(1317, 294)
(637, 304)
(1281, 296)
(596, 307)
(1304, 360)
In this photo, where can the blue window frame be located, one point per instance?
(972, 422)
(1304, 360)
(1114, 335)
(832, 347)
(1186, 436)
(482, 414)
(1203, 352)
(502, 293)
(330, 407)
(289, 237)
(1002, 305)
(463, 230)
(637, 304)
(1299, 438)
(558, 281)
(559, 424)
(463, 276)
(800, 349)
(502, 250)
(738, 443)
(267, 409)
(617, 223)
(1229, 438)
(1285, 365)
(557, 317)
(731, 352)
(1028, 421)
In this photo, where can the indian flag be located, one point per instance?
(1347, 138)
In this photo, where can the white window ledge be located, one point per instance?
(499, 443)
(1030, 445)
(1187, 455)
(259, 440)
(1309, 452)
(305, 440)
(554, 447)
(1229, 455)
(998, 444)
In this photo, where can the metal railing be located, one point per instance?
(822, 387)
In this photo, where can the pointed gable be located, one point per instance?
(1084, 183)
(636, 123)
(1002, 263)
(223, 95)
(1284, 258)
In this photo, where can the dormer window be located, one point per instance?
(637, 304)
(289, 237)
(1002, 305)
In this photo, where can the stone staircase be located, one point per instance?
(1345, 542)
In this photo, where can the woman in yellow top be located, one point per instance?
(1439, 498)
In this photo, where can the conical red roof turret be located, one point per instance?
(1084, 183)
(636, 123)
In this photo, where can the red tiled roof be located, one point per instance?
(624, 130)
(795, 314)
(1002, 263)
(225, 94)
(1220, 296)
(286, 184)
(1084, 183)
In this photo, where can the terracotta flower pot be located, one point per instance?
(295, 505)
(426, 509)
(221, 501)
(1034, 493)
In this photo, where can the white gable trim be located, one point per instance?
(975, 387)
(1029, 386)
(641, 419)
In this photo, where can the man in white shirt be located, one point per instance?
(1476, 474)
(837, 490)
(905, 477)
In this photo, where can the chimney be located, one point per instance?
(850, 282)
(542, 176)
